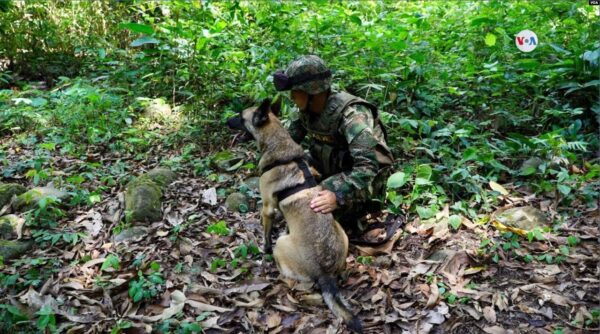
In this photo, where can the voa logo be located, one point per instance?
(526, 40)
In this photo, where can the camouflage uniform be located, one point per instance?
(347, 145)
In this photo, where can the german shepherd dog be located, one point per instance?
(316, 247)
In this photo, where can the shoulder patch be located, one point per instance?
(356, 119)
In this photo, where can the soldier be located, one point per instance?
(347, 142)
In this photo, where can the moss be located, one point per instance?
(30, 198)
(131, 233)
(8, 226)
(8, 190)
(143, 195)
(237, 202)
(162, 176)
(10, 249)
(142, 200)
(526, 218)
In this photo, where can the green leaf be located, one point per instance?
(137, 27)
(585, 85)
(572, 240)
(530, 236)
(565, 190)
(528, 64)
(528, 171)
(481, 20)
(217, 263)
(470, 153)
(48, 146)
(490, 39)
(143, 41)
(455, 221)
(38, 102)
(111, 261)
(418, 57)
(484, 243)
(76, 179)
(356, 19)
(397, 180)
(218, 228)
(425, 212)
(537, 232)
(138, 295)
(423, 175)
(156, 278)
(46, 319)
(399, 45)
(95, 198)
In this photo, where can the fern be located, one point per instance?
(575, 146)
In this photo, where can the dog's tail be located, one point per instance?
(333, 299)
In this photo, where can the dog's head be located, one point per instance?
(252, 119)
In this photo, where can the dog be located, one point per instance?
(317, 246)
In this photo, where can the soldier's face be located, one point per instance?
(300, 98)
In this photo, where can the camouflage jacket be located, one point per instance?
(347, 145)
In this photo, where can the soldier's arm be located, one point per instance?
(297, 131)
(354, 185)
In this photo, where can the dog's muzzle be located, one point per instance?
(236, 123)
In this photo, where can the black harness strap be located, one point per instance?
(309, 179)
(309, 182)
(279, 163)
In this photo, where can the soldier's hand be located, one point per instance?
(325, 202)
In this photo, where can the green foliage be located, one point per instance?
(218, 228)
(120, 326)
(594, 319)
(12, 318)
(509, 245)
(46, 319)
(111, 261)
(240, 254)
(463, 107)
(216, 264)
(146, 287)
(242, 251)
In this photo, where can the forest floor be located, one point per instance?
(429, 279)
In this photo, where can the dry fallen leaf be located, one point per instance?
(178, 300)
(496, 187)
(489, 314)
(434, 296)
(500, 301)
(273, 320)
(386, 248)
(497, 330)
(209, 196)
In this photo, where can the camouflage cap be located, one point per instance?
(307, 65)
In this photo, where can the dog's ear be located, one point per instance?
(261, 115)
(276, 107)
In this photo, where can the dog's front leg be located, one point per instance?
(266, 215)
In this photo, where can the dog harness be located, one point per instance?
(309, 179)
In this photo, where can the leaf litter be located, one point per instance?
(428, 278)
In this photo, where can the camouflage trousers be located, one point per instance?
(350, 214)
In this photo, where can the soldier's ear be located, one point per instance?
(276, 107)
(261, 115)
